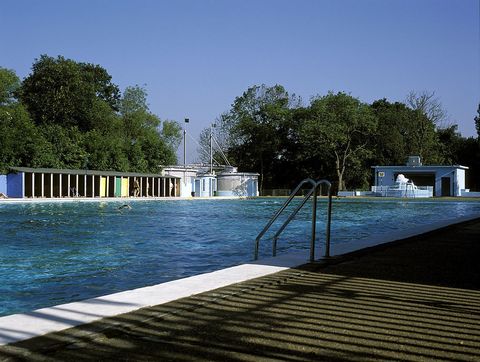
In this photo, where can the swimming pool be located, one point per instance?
(53, 253)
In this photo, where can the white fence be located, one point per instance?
(406, 190)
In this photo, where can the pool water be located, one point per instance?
(54, 253)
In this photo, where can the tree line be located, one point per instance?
(338, 137)
(68, 114)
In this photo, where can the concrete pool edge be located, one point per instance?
(19, 327)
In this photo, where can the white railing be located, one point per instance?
(407, 190)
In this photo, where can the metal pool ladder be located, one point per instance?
(314, 185)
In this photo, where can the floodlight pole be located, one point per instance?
(211, 150)
(211, 147)
(185, 143)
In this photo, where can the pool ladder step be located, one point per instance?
(312, 193)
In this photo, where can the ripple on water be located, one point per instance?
(62, 252)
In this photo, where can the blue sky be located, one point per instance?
(196, 56)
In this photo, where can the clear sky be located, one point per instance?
(196, 56)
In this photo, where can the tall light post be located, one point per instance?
(185, 143)
(211, 147)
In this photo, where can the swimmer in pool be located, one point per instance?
(124, 207)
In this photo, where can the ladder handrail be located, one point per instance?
(313, 190)
(314, 219)
(290, 218)
(277, 214)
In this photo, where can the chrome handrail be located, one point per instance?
(313, 191)
(277, 214)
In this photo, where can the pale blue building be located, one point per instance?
(3, 184)
(444, 180)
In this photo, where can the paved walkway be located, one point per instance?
(413, 300)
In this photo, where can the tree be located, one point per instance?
(403, 132)
(203, 149)
(477, 121)
(62, 91)
(9, 83)
(339, 125)
(21, 143)
(66, 146)
(220, 138)
(172, 134)
(76, 119)
(429, 105)
(148, 142)
(255, 128)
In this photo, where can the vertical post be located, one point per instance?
(68, 184)
(314, 224)
(33, 184)
(85, 185)
(51, 185)
(93, 185)
(43, 184)
(107, 187)
(329, 222)
(60, 185)
(211, 150)
(185, 143)
(76, 185)
(23, 185)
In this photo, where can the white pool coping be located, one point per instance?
(18, 327)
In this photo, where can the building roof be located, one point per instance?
(422, 168)
(86, 172)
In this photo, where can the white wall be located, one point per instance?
(187, 181)
(456, 175)
(205, 186)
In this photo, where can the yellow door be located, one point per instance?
(103, 186)
(125, 187)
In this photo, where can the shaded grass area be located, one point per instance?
(413, 300)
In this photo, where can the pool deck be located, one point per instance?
(412, 299)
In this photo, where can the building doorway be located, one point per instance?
(446, 186)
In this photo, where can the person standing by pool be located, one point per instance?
(136, 187)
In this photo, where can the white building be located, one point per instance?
(230, 182)
(445, 180)
(201, 182)
(187, 177)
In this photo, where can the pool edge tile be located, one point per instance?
(19, 327)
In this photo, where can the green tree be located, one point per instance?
(62, 91)
(172, 135)
(21, 143)
(66, 146)
(148, 142)
(255, 125)
(339, 125)
(403, 132)
(9, 83)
